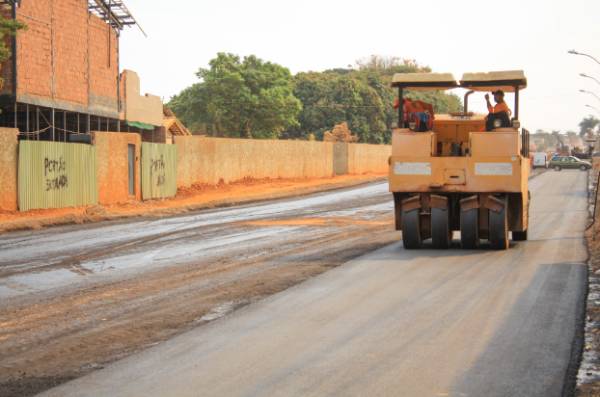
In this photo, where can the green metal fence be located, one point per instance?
(159, 170)
(56, 175)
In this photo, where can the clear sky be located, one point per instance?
(449, 36)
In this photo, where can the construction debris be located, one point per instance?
(340, 133)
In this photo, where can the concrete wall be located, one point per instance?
(210, 160)
(363, 158)
(203, 160)
(8, 169)
(113, 176)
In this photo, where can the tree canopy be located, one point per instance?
(248, 98)
(588, 124)
(8, 27)
(254, 98)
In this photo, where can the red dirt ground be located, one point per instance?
(197, 197)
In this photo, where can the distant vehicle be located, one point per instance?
(540, 160)
(582, 155)
(569, 162)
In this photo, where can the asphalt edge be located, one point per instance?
(577, 345)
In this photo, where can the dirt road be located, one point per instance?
(74, 298)
(394, 322)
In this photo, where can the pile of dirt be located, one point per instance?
(340, 133)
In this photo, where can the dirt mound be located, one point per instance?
(340, 133)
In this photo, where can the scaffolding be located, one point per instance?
(113, 12)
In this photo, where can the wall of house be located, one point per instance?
(67, 58)
(8, 171)
(141, 108)
(103, 47)
(113, 171)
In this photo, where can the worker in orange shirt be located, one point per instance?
(500, 106)
(499, 114)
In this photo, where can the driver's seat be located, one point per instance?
(497, 120)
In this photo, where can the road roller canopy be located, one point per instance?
(507, 81)
(424, 81)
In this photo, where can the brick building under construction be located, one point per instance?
(64, 81)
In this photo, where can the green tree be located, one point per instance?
(8, 27)
(363, 97)
(248, 98)
(189, 106)
(588, 124)
(253, 98)
(331, 98)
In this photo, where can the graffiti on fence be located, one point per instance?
(55, 176)
(159, 170)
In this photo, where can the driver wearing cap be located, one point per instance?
(500, 106)
(500, 113)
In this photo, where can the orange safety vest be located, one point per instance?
(499, 107)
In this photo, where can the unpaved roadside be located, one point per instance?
(50, 336)
(588, 378)
(191, 199)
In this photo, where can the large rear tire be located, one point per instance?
(499, 229)
(441, 235)
(411, 230)
(469, 228)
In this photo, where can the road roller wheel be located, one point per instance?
(499, 229)
(411, 230)
(441, 235)
(469, 228)
(519, 236)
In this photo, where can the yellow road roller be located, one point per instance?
(462, 171)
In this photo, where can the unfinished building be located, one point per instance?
(64, 81)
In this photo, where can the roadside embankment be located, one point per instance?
(588, 378)
(198, 196)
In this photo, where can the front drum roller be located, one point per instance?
(441, 235)
(411, 230)
(499, 228)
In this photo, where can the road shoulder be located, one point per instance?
(196, 198)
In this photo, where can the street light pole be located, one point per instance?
(573, 52)
(593, 107)
(591, 93)
(589, 77)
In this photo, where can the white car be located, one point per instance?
(540, 160)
